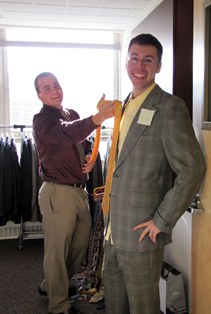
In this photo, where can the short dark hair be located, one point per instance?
(147, 39)
(43, 74)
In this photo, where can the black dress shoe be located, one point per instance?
(72, 291)
(101, 305)
(72, 310)
(42, 292)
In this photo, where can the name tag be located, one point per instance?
(146, 116)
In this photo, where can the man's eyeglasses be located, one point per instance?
(136, 60)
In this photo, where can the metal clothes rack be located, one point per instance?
(23, 234)
(15, 126)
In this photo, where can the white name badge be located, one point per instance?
(146, 116)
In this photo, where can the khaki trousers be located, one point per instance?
(66, 224)
(131, 281)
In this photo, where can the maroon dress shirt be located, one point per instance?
(55, 141)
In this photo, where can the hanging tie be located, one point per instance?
(66, 116)
(81, 153)
(112, 155)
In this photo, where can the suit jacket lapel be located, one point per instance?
(137, 129)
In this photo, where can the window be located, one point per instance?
(84, 74)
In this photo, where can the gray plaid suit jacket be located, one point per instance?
(142, 181)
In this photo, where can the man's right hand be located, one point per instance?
(106, 111)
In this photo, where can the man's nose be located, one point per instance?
(141, 63)
(55, 89)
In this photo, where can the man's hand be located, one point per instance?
(87, 167)
(150, 229)
(106, 111)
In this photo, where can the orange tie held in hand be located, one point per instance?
(95, 149)
(118, 109)
(112, 155)
(108, 183)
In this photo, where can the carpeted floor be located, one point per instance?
(20, 275)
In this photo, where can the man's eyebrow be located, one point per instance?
(46, 86)
(133, 54)
(149, 56)
(136, 54)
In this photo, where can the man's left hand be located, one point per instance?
(150, 229)
(87, 167)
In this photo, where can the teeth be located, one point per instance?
(139, 75)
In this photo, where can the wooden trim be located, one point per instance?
(183, 50)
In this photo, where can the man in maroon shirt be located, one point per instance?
(60, 139)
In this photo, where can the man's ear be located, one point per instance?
(126, 63)
(159, 67)
(39, 96)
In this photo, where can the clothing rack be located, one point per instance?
(15, 126)
(34, 229)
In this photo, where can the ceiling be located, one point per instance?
(111, 15)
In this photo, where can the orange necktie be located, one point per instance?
(112, 155)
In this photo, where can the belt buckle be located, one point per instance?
(79, 185)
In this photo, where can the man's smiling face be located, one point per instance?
(50, 91)
(142, 65)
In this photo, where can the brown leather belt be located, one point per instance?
(78, 185)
